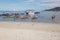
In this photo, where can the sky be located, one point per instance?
(19, 5)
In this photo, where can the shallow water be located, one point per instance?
(42, 17)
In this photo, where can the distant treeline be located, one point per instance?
(53, 9)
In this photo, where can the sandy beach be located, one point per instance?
(29, 31)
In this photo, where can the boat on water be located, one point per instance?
(31, 14)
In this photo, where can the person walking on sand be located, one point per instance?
(53, 18)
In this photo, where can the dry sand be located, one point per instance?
(29, 31)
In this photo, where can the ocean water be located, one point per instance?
(44, 16)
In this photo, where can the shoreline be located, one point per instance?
(50, 27)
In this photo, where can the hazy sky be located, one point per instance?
(28, 4)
